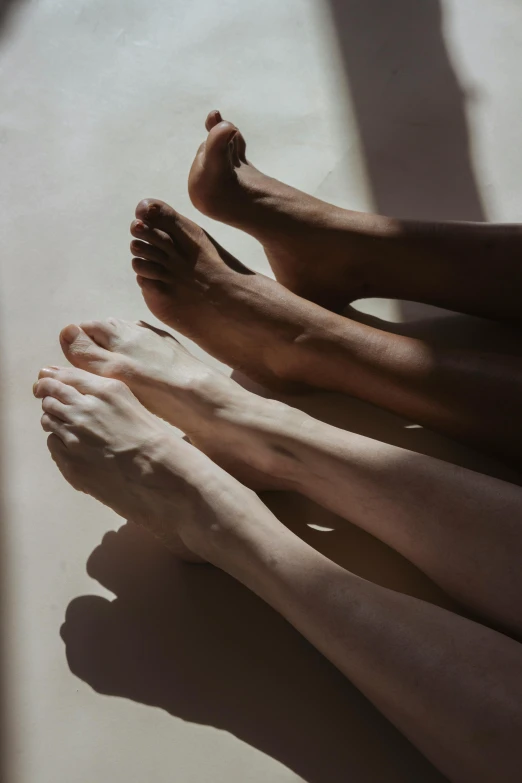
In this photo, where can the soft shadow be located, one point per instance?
(7, 7)
(411, 112)
(353, 415)
(195, 643)
(410, 108)
(353, 548)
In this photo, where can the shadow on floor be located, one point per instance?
(197, 644)
(411, 112)
(410, 108)
(194, 642)
(6, 8)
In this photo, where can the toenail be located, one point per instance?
(153, 209)
(139, 225)
(35, 386)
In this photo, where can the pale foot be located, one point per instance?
(321, 252)
(246, 320)
(221, 418)
(108, 445)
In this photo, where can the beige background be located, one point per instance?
(412, 108)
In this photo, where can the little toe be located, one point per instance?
(149, 252)
(185, 234)
(84, 353)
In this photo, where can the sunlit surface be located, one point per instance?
(103, 104)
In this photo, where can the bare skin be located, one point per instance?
(192, 284)
(209, 407)
(438, 669)
(332, 256)
(305, 239)
(470, 527)
(255, 325)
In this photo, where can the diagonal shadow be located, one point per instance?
(191, 640)
(197, 644)
(411, 111)
(410, 108)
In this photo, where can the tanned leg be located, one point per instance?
(333, 256)
(255, 325)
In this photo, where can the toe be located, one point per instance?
(153, 236)
(79, 380)
(213, 118)
(55, 408)
(225, 138)
(219, 154)
(240, 147)
(49, 387)
(103, 333)
(214, 170)
(86, 382)
(84, 353)
(61, 437)
(150, 270)
(149, 252)
(185, 234)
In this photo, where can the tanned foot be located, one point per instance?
(246, 320)
(219, 416)
(319, 251)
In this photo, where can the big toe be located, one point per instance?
(83, 352)
(216, 157)
(224, 148)
(213, 118)
(213, 172)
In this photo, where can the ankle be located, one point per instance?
(260, 432)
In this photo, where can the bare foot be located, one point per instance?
(108, 445)
(246, 320)
(319, 251)
(216, 413)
